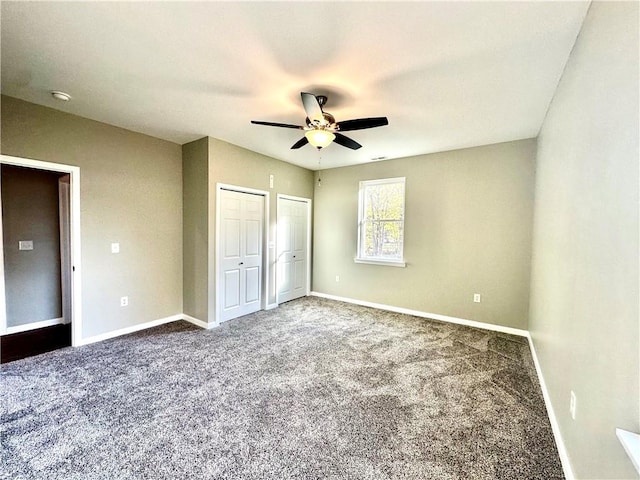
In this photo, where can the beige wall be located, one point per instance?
(195, 191)
(584, 308)
(131, 192)
(32, 277)
(467, 230)
(233, 165)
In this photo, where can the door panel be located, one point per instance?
(231, 289)
(253, 242)
(241, 234)
(252, 282)
(284, 278)
(299, 276)
(231, 239)
(292, 249)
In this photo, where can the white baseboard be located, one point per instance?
(33, 326)
(131, 329)
(555, 427)
(434, 316)
(271, 306)
(198, 322)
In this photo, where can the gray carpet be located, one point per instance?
(314, 389)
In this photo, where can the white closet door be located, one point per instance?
(292, 249)
(241, 242)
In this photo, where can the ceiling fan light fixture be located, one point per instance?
(319, 138)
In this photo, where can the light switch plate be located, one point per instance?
(115, 248)
(25, 245)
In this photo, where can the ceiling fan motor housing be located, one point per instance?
(329, 121)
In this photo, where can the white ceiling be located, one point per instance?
(447, 75)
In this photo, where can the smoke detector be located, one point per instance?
(58, 95)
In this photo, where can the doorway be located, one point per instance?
(293, 240)
(51, 245)
(242, 227)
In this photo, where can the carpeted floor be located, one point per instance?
(314, 389)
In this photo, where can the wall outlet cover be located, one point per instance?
(25, 245)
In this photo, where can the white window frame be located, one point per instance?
(379, 260)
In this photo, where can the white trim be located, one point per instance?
(33, 326)
(433, 316)
(383, 181)
(265, 245)
(308, 202)
(76, 252)
(631, 443)
(131, 329)
(197, 322)
(388, 263)
(144, 326)
(555, 426)
(271, 306)
(66, 269)
(3, 298)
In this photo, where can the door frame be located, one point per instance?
(307, 201)
(264, 293)
(76, 258)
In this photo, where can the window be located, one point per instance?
(381, 222)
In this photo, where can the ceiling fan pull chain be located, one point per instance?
(319, 167)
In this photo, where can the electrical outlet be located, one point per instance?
(476, 297)
(115, 248)
(337, 278)
(572, 405)
(124, 301)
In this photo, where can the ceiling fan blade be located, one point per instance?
(362, 123)
(300, 143)
(273, 124)
(312, 107)
(346, 141)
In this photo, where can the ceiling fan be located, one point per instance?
(321, 127)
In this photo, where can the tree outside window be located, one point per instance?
(381, 220)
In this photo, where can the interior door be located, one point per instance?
(292, 248)
(241, 244)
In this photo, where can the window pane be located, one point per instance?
(383, 238)
(382, 219)
(384, 202)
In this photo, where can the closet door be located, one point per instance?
(292, 248)
(241, 246)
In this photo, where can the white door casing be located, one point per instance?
(74, 227)
(64, 202)
(241, 246)
(293, 247)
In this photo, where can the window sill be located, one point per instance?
(388, 263)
